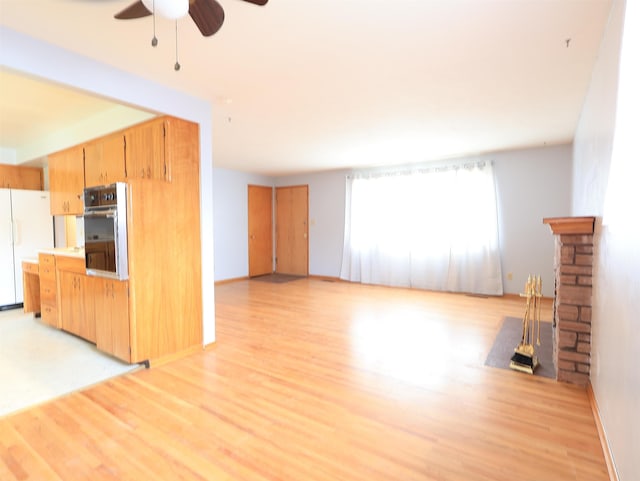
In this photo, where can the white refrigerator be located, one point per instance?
(26, 226)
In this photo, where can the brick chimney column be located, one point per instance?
(573, 265)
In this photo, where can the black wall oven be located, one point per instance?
(105, 231)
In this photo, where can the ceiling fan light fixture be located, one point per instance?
(171, 9)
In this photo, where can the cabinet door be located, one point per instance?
(145, 151)
(77, 305)
(88, 307)
(71, 304)
(66, 181)
(112, 318)
(15, 177)
(31, 287)
(104, 160)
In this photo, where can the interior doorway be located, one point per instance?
(292, 230)
(260, 201)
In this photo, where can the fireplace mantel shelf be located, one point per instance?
(570, 225)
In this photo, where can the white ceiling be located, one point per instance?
(308, 85)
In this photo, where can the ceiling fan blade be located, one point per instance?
(207, 15)
(135, 10)
(257, 2)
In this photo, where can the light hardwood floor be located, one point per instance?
(315, 380)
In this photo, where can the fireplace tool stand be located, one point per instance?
(524, 358)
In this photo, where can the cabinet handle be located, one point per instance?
(148, 172)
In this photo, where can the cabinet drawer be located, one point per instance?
(49, 313)
(46, 259)
(47, 273)
(47, 267)
(30, 267)
(71, 264)
(48, 292)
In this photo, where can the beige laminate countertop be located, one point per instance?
(65, 251)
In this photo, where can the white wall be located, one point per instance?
(531, 184)
(606, 173)
(230, 216)
(39, 59)
(8, 156)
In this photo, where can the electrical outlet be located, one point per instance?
(510, 276)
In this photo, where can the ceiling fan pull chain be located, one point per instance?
(154, 40)
(176, 67)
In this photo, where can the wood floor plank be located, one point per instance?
(314, 380)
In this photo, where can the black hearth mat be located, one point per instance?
(509, 337)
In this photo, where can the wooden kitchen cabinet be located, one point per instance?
(48, 289)
(146, 151)
(144, 319)
(18, 177)
(31, 286)
(66, 181)
(104, 160)
(166, 321)
(76, 298)
(112, 317)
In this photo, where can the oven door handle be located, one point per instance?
(110, 214)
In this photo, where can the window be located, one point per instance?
(431, 229)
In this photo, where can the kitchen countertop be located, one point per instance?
(31, 260)
(65, 251)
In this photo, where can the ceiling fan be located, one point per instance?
(208, 15)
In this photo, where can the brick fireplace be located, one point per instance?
(573, 266)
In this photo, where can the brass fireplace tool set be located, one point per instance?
(524, 358)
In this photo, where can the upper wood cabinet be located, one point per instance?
(17, 177)
(66, 181)
(104, 161)
(146, 151)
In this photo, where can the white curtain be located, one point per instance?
(430, 229)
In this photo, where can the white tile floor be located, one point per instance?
(39, 363)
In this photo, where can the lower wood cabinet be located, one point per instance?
(112, 317)
(94, 308)
(48, 289)
(77, 310)
(31, 286)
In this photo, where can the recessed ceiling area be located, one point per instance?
(38, 117)
(32, 108)
(312, 85)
